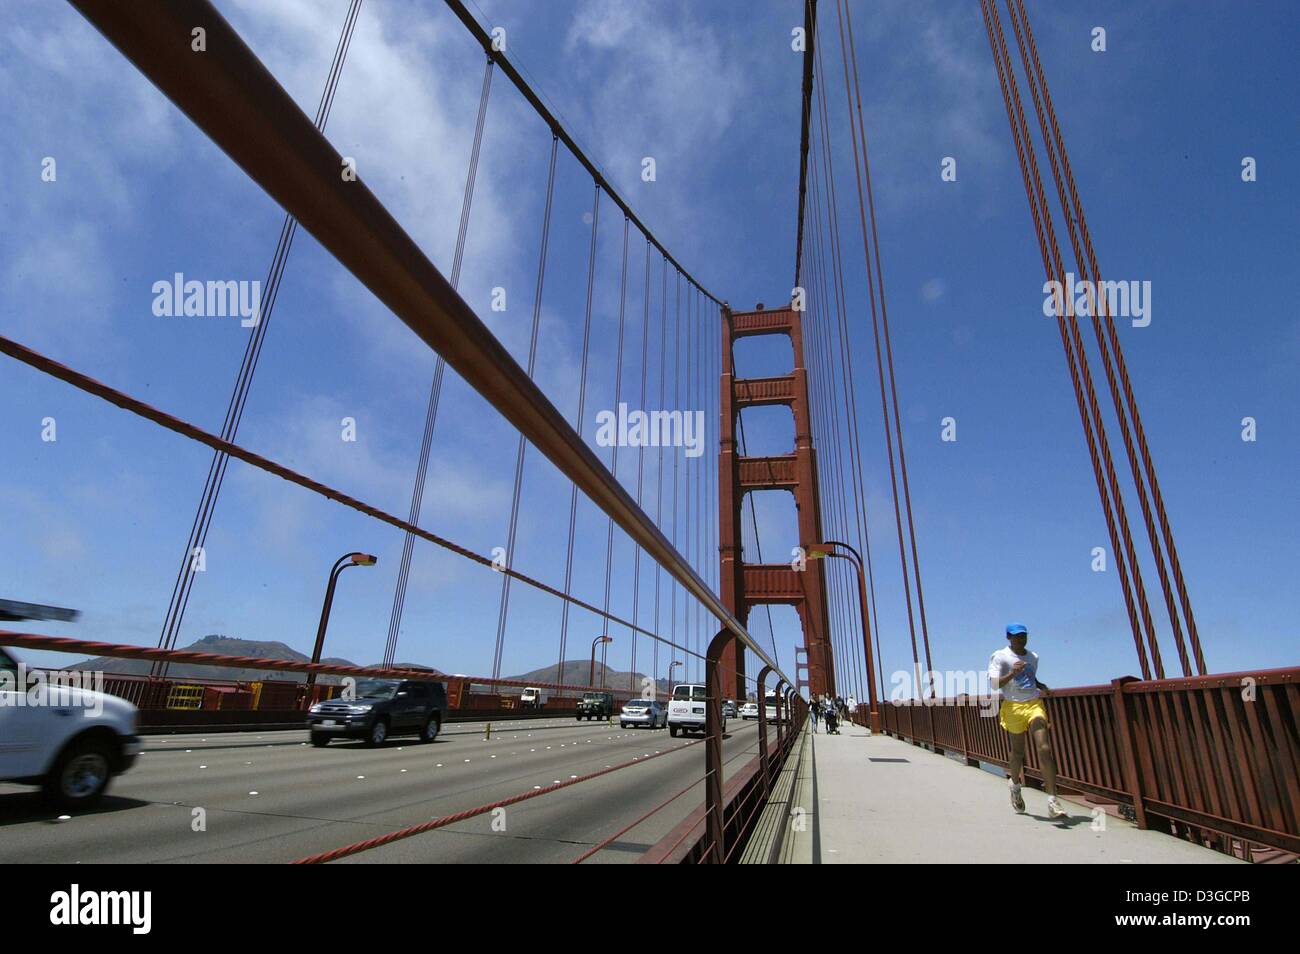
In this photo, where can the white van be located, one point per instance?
(769, 704)
(686, 709)
(533, 698)
(69, 740)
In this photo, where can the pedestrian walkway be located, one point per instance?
(878, 799)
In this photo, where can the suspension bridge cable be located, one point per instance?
(838, 331)
(439, 370)
(884, 322)
(1076, 363)
(485, 40)
(613, 451)
(578, 417)
(836, 260)
(1078, 230)
(640, 458)
(820, 274)
(1072, 324)
(834, 495)
(810, 39)
(503, 608)
(677, 403)
(197, 540)
(89, 385)
(659, 482)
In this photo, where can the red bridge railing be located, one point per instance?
(1214, 758)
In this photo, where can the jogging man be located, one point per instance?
(1014, 671)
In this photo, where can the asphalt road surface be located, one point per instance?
(271, 797)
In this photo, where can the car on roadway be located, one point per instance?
(596, 705)
(380, 708)
(729, 708)
(749, 710)
(68, 739)
(770, 704)
(650, 713)
(686, 709)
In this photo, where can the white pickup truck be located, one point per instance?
(69, 740)
(686, 709)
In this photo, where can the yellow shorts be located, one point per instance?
(1016, 716)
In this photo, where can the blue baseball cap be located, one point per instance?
(1017, 629)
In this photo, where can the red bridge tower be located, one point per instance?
(745, 585)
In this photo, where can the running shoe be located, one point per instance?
(1055, 809)
(1017, 800)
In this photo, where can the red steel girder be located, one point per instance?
(230, 95)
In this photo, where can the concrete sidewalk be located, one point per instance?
(882, 800)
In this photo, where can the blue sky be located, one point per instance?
(1007, 516)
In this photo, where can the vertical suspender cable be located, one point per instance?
(677, 403)
(1076, 363)
(184, 583)
(865, 174)
(435, 387)
(578, 421)
(613, 452)
(1108, 341)
(640, 461)
(837, 275)
(659, 481)
(503, 608)
(824, 349)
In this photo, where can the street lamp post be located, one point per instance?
(343, 562)
(591, 673)
(673, 665)
(821, 550)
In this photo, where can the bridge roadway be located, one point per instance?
(311, 800)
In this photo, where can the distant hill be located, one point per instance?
(575, 672)
(222, 646)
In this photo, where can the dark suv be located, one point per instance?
(596, 705)
(380, 708)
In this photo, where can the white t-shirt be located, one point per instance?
(1025, 685)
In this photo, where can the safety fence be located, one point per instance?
(744, 796)
(179, 702)
(1215, 759)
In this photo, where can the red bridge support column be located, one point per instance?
(744, 586)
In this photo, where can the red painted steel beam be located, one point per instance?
(230, 95)
(64, 644)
